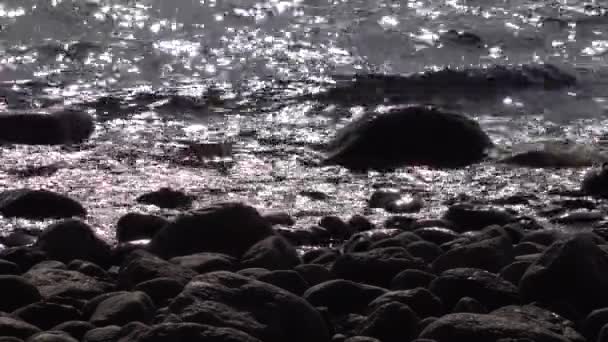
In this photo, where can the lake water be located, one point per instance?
(160, 76)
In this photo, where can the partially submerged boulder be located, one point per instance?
(64, 127)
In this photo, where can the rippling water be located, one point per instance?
(161, 76)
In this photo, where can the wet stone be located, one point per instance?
(166, 198)
(136, 226)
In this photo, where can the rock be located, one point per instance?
(280, 218)
(207, 262)
(405, 204)
(409, 136)
(49, 264)
(400, 222)
(375, 267)
(336, 227)
(569, 271)
(524, 248)
(400, 240)
(136, 226)
(272, 253)
(469, 305)
(320, 256)
(160, 290)
(461, 38)
(76, 329)
(594, 323)
(515, 271)
(595, 182)
(488, 288)
(169, 332)
(422, 301)
(314, 274)
(124, 308)
(581, 216)
(288, 280)
(88, 268)
(212, 229)
(345, 324)
(68, 126)
(17, 238)
(411, 279)
(382, 198)
(262, 310)
(467, 217)
(544, 237)
(46, 315)
(481, 328)
(555, 154)
(8, 268)
(490, 255)
(108, 333)
(38, 205)
(360, 223)
(437, 235)
(10, 339)
(166, 198)
(52, 336)
(603, 335)
(391, 322)
(424, 250)
(141, 266)
(343, 296)
(24, 257)
(361, 339)
(53, 282)
(57, 241)
(253, 272)
(11, 327)
(17, 292)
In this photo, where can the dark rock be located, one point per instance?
(169, 332)
(47, 315)
(515, 271)
(320, 256)
(288, 280)
(253, 272)
(524, 248)
(88, 268)
(58, 265)
(17, 238)
(160, 290)
(10, 339)
(273, 314)
(594, 323)
(345, 324)
(16, 292)
(166, 198)
(68, 126)
(11, 327)
(8, 268)
(91, 305)
(481, 328)
(490, 255)
(425, 322)
(280, 218)
(461, 38)
(336, 227)
(406, 204)
(124, 308)
(360, 223)
(469, 305)
(52, 336)
(411, 279)
(399, 222)
(437, 235)
(38, 204)
(132, 331)
(595, 182)
(108, 333)
(603, 335)
(272, 253)
(391, 322)
(73, 239)
(53, 282)
(76, 329)
(422, 301)
(424, 250)
(399, 240)
(141, 266)
(555, 154)
(343, 296)
(467, 217)
(314, 274)
(207, 262)
(382, 198)
(488, 288)
(571, 271)
(136, 226)
(361, 339)
(544, 237)
(212, 229)
(375, 267)
(409, 136)
(577, 217)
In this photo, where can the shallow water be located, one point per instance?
(159, 75)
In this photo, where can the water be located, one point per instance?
(162, 75)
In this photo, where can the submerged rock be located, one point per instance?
(64, 127)
(409, 136)
(38, 204)
(555, 154)
(166, 198)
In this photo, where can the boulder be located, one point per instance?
(38, 205)
(141, 266)
(65, 283)
(49, 264)
(46, 315)
(259, 309)
(160, 290)
(336, 227)
(343, 296)
(25, 257)
(169, 332)
(422, 301)
(515, 271)
(409, 136)
(424, 250)
(288, 280)
(229, 228)
(469, 305)
(88, 268)
(108, 333)
(595, 182)
(554, 154)
(437, 235)
(314, 274)
(391, 322)
(68, 126)
(490, 255)
(411, 279)
(52, 336)
(17, 292)
(8, 268)
(136, 226)
(166, 198)
(11, 327)
(76, 329)
(124, 308)
(466, 217)
(272, 253)
(207, 262)
(594, 322)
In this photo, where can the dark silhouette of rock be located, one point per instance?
(513, 272)
(314, 274)
(136, 226)
(124, 308)
(288, 280)
(594, 322)
(207, 262)
(103, 334)
(46, 315)
(272, 253)
(280, 218)
(490, 255)
(76, 329)
(88, 268)
(8, 268)
(229, 228)
(595, 182)
(25, 256)
(382, 198)
(411, 279)
(361, 339)
(166, 198)
(424, 250)
(160, 290)
(409, 136)
(391, 322)
(64, 127)
(422, 301)
(141, 266)
(544, 237)
(16, 292)
(336, 227)
(38, 204)
(49, 264)
(469, 305)
(262, 310)
(360, 223)
(570, 271)
(72, 239)
(320, 256)
(54, 282)
(524, 248)
(437, 235)
(343, 296)
(465, 217)
(52, 336)
(168, 332)
(11, 327)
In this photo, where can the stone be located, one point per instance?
(88, 268)
(488, 288)
(343, 296)
(280, 218)
(8, 268)
(54, 282)
(555, 154)
(570, 271)
(108, 333)
(466, 217)
(490, 255)
(67, 126)
(481, 328)
(124, 308)
(527, 247)
(136, 226)
(360, 223)
(160, 290)
(320, 256)
(17, 238)
(424, 250)
(212, 229)
(168, 332)
(46, 315)
(336, 227)
(261, 310)
(391, 322)
(409, 136)
(207, 262)
(141, 266)
(25, 257)
(57, 241)
(272, 253)
(382, 198)
(314, 274)
(11, 327)
(437, 235)
(166, 198)
(469, 305)
(515, 271)
(49, 264)
(17, 292)
(420, 300)
(411, 279)
(361, 339)
(76, 329)
(544, 237)
(288, 280)
(595, 182)
(38, 205)
(52, 336)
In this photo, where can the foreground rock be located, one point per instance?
(64, 283)
(17, 292)
(261, 310)
(229, 228)
(38, 205)
(410, 136)
(124, 308)
(136, 226)
(10, 327)
(595, 182)
(166, 198)
(169, 332)
(141, 266)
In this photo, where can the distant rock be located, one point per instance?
(136, 226)
(140, 266)
(554, 154)
(466, 217)
(63, 127)
(38, 204)
(343, 296)
(391, 322)
(595, 182)
(166, 198)
(409, 136)
(193, 332)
